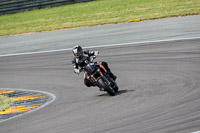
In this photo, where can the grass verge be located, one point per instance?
(5, 102)
(96, 12)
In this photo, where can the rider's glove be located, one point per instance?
(96, 53)
(76, 70)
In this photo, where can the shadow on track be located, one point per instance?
(117, 93)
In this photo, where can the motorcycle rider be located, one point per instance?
(81, 58)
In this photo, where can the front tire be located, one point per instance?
(110, 91)
(116, 88)
(107, 88)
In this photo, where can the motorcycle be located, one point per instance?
(97, 74)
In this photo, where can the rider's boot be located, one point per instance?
(112, 76)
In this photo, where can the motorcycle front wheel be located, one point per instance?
(115, 87)
(101, 83)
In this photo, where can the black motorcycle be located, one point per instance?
(97, 74)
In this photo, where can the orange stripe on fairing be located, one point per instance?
(102, 67)
(29, 97)
(18, 109)
(88, 78)
(6, 91)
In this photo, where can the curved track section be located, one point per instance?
(25, 101)
(159, 90)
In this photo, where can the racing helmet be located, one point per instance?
(77, 51)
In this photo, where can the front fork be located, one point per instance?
(106, 80)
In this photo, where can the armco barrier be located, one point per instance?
(14, 6)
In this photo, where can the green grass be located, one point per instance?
(5, 102)
(92, 13)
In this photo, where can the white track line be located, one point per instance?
(120, 44)
(196, 132)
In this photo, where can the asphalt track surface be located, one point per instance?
(159, 90)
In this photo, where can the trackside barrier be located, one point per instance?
(14, 6)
